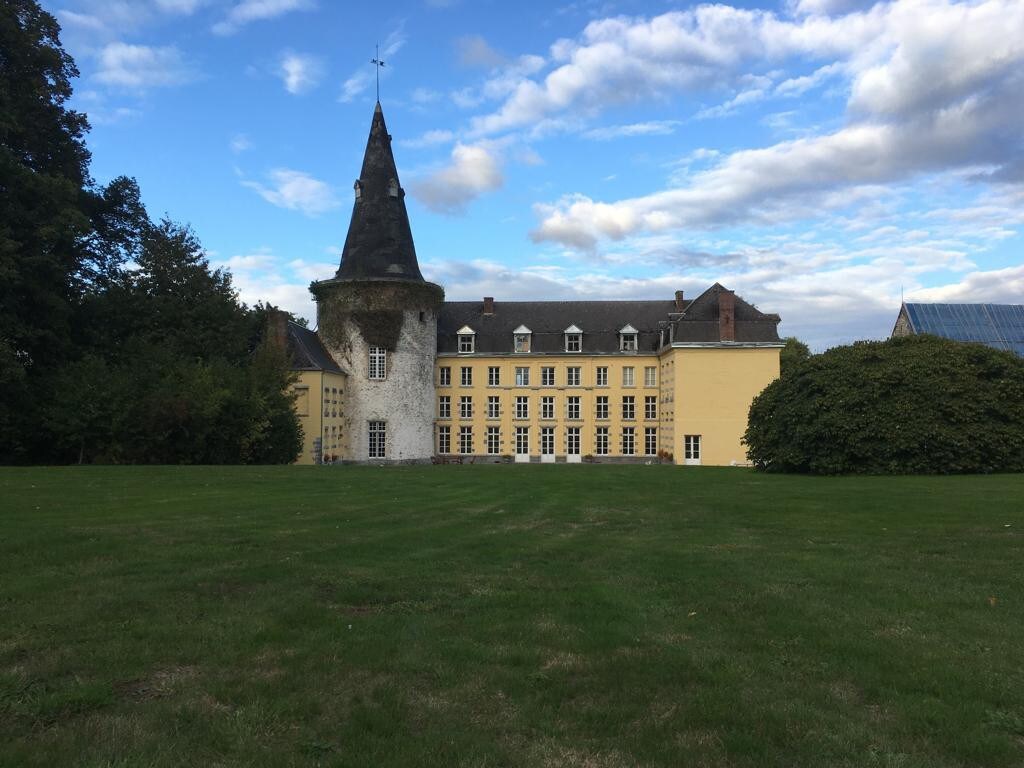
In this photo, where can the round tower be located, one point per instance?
(378, 318)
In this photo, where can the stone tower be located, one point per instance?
(378, 318)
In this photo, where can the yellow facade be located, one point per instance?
(319, 399)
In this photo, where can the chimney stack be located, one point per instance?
(488, 305)
(277, 328)
(726, 315)
(679, 301)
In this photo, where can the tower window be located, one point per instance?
(378, 364)
(377, 447)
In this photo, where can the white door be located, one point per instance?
(691, 450)
(522, 444)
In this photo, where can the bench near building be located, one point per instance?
(395, 373)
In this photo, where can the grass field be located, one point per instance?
(509, 615)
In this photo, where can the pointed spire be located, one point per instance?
(379, 242)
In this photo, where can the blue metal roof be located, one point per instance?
(1000, 326)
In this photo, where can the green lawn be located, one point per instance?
(509, 615)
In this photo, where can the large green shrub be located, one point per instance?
(917, 404)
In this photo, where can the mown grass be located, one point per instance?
(509, 615)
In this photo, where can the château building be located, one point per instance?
(394, 373)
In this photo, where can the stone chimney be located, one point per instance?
(277, 329)
(488, 305)
(726, 315)
(679, 301)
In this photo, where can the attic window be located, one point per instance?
(627, 339)
(358, 188)
(467, 337)
(573, 339)
(393, 188)
(521, 339)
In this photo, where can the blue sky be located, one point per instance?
(817, 156)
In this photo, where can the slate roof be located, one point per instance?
(1000, 326)
(307, 352)
(379, 242)
(699, 323)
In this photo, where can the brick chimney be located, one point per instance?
(488, 305)
(679, 301)
(726, 315)
(277, 328)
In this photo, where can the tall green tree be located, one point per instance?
(793, 354)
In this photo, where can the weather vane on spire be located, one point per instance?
(378, 63)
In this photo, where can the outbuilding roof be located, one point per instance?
(307, 352)
(1000, 326)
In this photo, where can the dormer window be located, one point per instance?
(467, 338)
(521, 339)
(627, 339)
(573, 339)
(358, 189)
(393, 188)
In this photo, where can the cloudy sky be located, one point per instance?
(817, 156)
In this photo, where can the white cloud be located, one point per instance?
(473, 171)
(296, 191)
(425, 96)
(240, 143)
(300, 72)
(354, 86)
(138, 67)
(248, 11)
(729, 107)
(429, 139)
(183, 7)
(474, 51)
(997, 286)
(361, 79)
(649, 128)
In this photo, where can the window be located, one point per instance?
(572, 441)
(650, 376)
(628, 407)
(444, 439)
(572, 375)
(573, 339)
(650, 407)
(378, 363)
(521, 339)
(650, 441)
(627, 339)
(467, 376)
(628, 441)
(466, 336)
(465, 407)
(523, 441)
(572, 407)
(493, 440)
(547, 376)
(444, 407)
(547, 407)
(378, 440)
(547, 441)
(493, 376)
(444, 376)
(465, 439)
(601, 441)
(691, 447)
(522, 377)
(627, 376)
(602, 376)
(493, 407)
(602, 407)
(522, 407)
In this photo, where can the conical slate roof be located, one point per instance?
(379, 242)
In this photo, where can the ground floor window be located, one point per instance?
(522, 440)
(650, 440)
(465, 439)
(601, 441)
(378, 439)
(444, 439)
(493, 440)
(547, 440)
(691, 447)
(628, 441)
(572, 441)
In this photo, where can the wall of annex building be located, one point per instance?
(644, 383)
(319, 404)
(712, 392)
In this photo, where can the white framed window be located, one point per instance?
(601, 441)
(467, 338)
(628, 407)
(378, 368)
(650, 406)
(601, 372)
(493, 376)
(522, 376)
(493, 407)
(627, 339)
(522, 407)
(547, 441)
(572, 407)
(465, 407)
(572, 441)
(547, 407)
(444, 407)
(601, 407)
(465, 439)
(650, 376)
(650, 441)
(628, 441)
(628, 380)
(521, 339)
(444, 376)
(573, 339)
(444, 439)
(691, 449)
(493, 441)
(572, 376)
(377, 445)
(467, 376)
(522, 441)
(547, 376)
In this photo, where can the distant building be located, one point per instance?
(1000, 326)
(407, 376)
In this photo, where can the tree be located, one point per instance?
(791, 355)
(917, 404)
